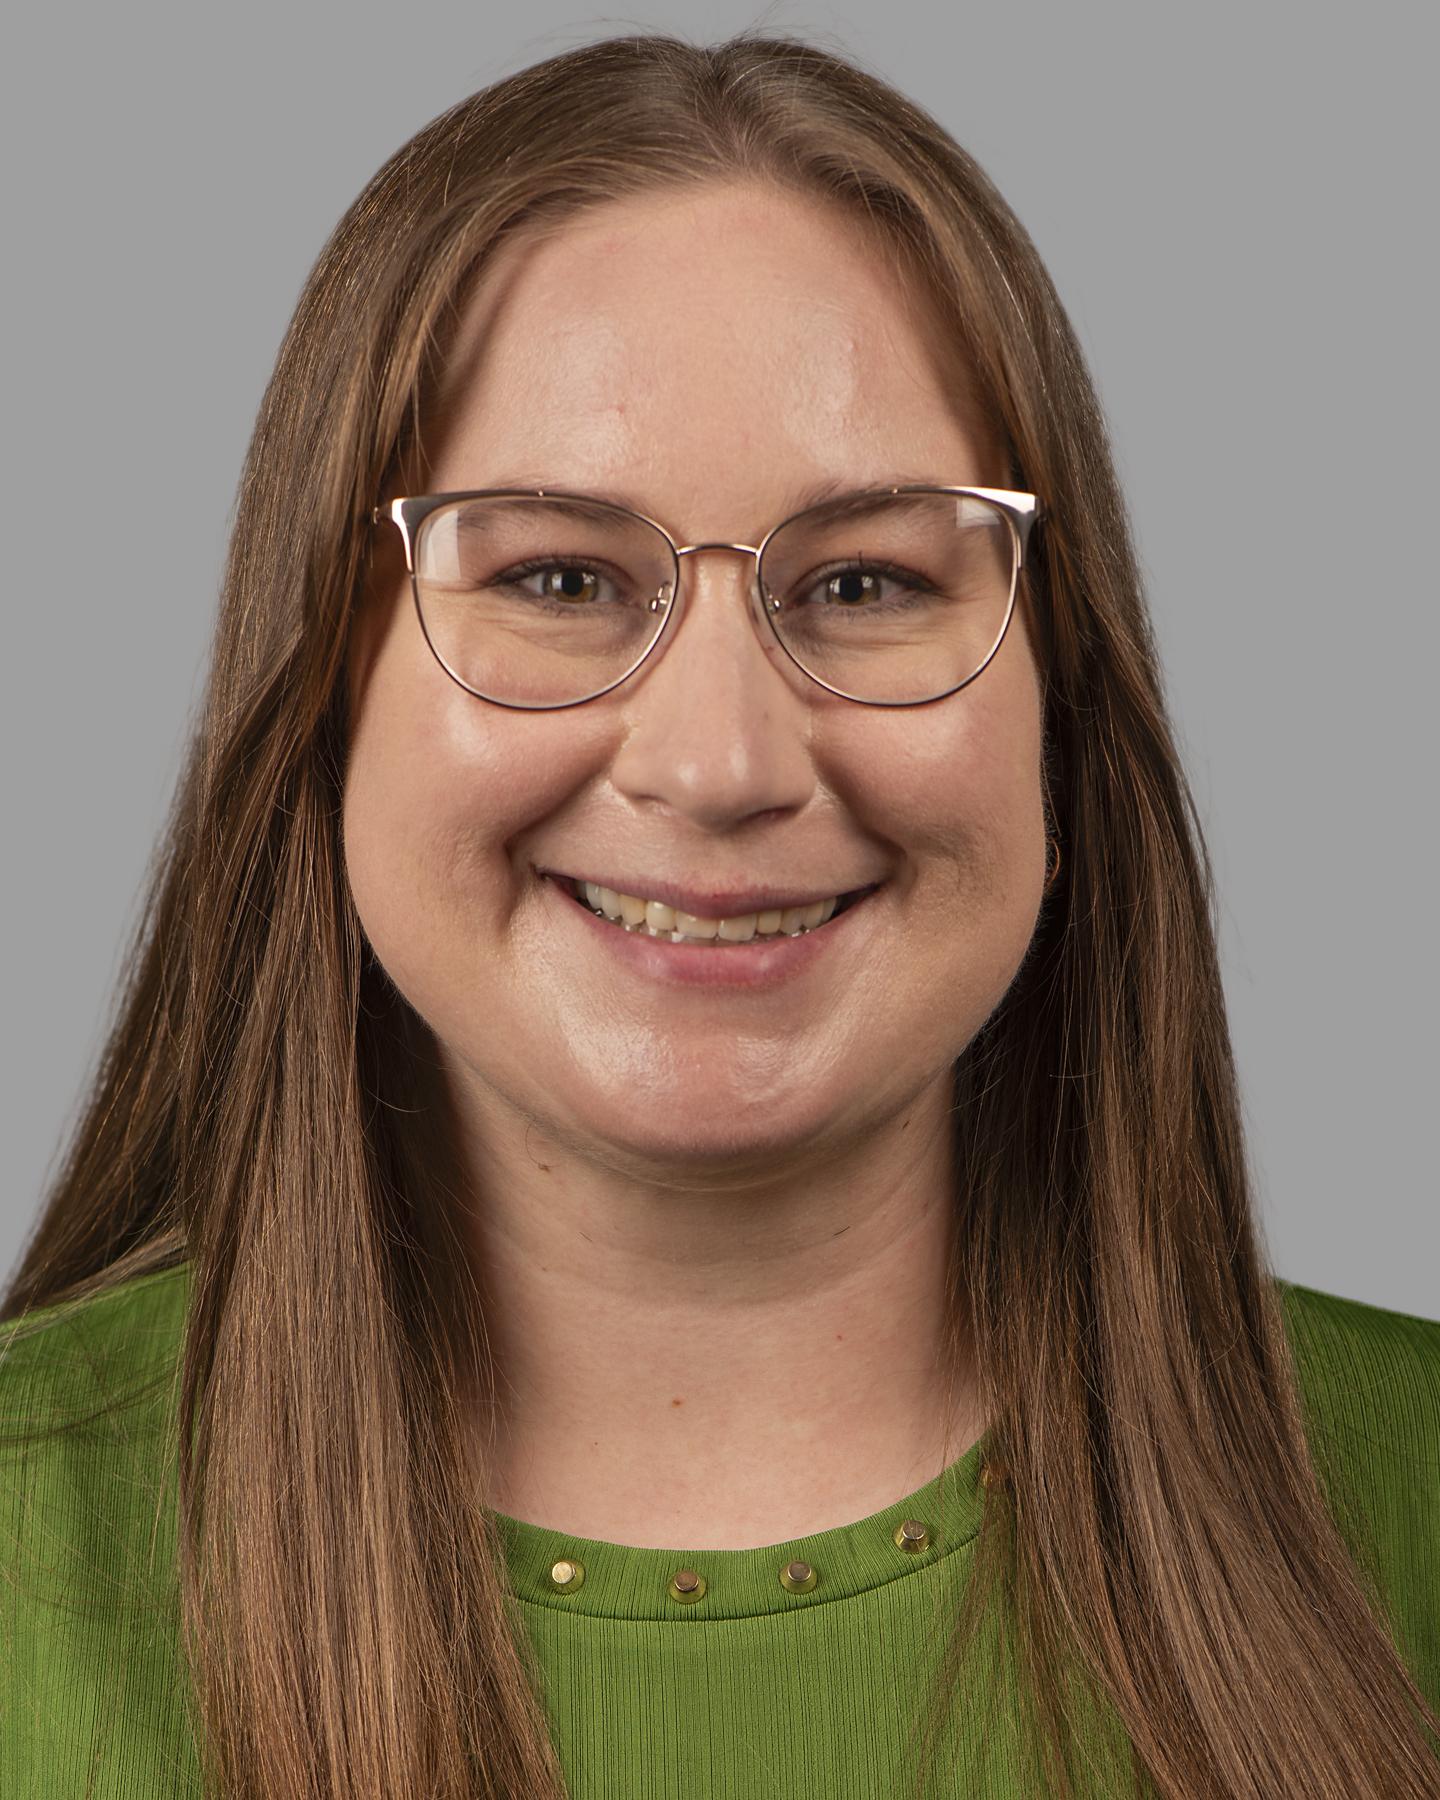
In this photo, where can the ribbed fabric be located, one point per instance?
(752, 1692)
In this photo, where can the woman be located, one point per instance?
(826, 1351)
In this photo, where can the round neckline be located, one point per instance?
(627, 1581)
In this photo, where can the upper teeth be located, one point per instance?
(632, 911)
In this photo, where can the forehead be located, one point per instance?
(701, 350)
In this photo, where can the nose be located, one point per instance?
(718, 720)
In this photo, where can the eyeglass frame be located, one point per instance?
(409, 511)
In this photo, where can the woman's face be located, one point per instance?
(708, 356)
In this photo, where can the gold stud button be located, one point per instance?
(567, 1575)
(798, 1578)
(911, 1535)
(686, 1586)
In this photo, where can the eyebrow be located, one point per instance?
(829, 489)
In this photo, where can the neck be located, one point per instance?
(717, 1367)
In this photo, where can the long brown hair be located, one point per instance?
(264, 1105)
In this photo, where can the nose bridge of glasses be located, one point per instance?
(750, 550)
(716, 544)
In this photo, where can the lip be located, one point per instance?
(708, 903)
(754, 965)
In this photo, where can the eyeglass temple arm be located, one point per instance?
(1024, 510)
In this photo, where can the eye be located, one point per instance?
(856, 586)
(576, 586)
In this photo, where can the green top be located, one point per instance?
(754, 1690)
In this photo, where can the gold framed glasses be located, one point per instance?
(537, 599)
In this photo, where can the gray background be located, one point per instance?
(1236, 203)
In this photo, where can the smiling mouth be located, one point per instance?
(570, 886)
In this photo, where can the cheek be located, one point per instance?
(431, 796)
(439, 788)
(962, 791)
(980, 819)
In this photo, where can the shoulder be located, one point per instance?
(1368, 1374)
(92, 1686)
(88, 1389)
(109, 1349)
(1370, 1389)
(1314, 1309)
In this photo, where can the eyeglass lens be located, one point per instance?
(544, 601)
